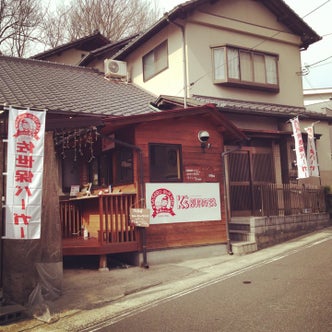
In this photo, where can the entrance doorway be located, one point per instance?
(248, 169)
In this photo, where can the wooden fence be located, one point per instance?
(286, 199)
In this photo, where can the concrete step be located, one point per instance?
(237, 235)
(243, 247)
(239, 227)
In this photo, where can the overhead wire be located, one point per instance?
(260, 43)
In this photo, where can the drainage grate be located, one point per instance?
(11, 313)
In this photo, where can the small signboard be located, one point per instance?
(140, 217)
(74, 189)
(200, 174)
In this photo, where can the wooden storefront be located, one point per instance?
(161, 148)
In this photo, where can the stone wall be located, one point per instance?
(268, 231)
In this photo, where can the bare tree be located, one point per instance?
(115, 19)
(54, 30)
(19, 21)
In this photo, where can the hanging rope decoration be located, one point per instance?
(81, 141)
(63, 154)
(75, 145)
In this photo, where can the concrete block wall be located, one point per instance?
(272, 230)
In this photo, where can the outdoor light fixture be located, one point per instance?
(203, 137)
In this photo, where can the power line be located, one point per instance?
(270, 37)
(320, 61)
(320, 6)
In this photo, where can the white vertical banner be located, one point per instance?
(25, 158)
(311, 152)
(301, 160)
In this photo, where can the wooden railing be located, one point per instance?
(277, 200)
(71, 219)
(114, 211)
(113, 216)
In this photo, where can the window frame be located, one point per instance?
(152, 55)
(157, 175)
(232, 76)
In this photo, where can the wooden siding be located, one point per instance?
(185, 234)
(184, 131)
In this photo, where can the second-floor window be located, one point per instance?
(155, 61)
(246, 68)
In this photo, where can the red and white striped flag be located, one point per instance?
(311, 152)
(301, 160)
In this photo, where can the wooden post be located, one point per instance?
(103, 263)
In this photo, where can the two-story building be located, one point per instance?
(244, 57)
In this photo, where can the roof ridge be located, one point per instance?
(247, 101)
(71, 43)
(46, 63)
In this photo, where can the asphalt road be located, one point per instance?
(292, 293)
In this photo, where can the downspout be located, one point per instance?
(141, 186)
(226, 196)
(184, 52)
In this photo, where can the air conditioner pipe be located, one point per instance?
(185, 85)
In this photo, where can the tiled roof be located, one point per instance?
(106, 51)
(62, 88)
(239, 106)
(86, 43)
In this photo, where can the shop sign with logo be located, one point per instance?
(183, 202)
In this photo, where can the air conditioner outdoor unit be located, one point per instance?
(115, 68)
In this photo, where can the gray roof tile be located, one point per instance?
(62, 88)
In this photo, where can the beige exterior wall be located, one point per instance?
(234, 31)
(168, 82)
(69, 57)
(240, 23)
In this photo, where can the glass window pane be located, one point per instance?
(219, 63)
(259, 68)
(271, 69)
(124, 166)
(233, 63)
(165, 162)
(148, 65)
(160, 57)
(246, 66)
(155, 61)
